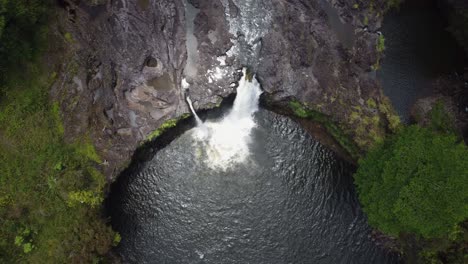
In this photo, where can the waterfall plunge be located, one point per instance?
(226, 142)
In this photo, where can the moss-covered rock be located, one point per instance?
(165, 126)
(337, 132)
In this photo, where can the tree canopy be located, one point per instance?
(415, 182)
(21, 31)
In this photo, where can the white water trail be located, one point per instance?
(226, 142)
(197, 118)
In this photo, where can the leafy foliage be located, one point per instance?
(21, 33)
(50, 191)
(385, 107)
(415, 182)
(441, 120)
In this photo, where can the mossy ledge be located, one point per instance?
(332, 135)
(165, 126)
(335, 131)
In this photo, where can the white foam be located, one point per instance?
(185, 84)
(226, 142)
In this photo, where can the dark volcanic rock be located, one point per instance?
(127, 59)
(452, 93)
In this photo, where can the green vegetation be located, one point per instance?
(414, 184)
(406, 185)
(337, 133)
(380, 48)
(50, 192)
(22, 33)
(381, 43)
(441, 120)
(386, 108)
(165, 126)
(369, 128)
(68, 37)
(371, 103)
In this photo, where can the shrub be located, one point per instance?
(441, 120)
(22, 33)
(415, 182)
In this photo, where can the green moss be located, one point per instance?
(249, 75)
(86, 148)
(117, 239)
(335, 131)
(299, 109)
(371, 103)
(165, 126)
(376, 65)
(386, 108)
(357, 108)
(87, 197)
(381, 43)
(354, 117)
(68, 37)
(380, 48)
(55, 111)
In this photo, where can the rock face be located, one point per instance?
(456, 13)
(452, 94)
(126, 59)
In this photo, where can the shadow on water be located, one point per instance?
(418, 49)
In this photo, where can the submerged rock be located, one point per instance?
(130, 57)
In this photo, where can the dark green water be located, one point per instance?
(418, 50)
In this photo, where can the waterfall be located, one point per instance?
(185, 86)
(199, 121)
(246, 103)
(226, 142)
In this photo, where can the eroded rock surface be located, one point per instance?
(127, 59)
